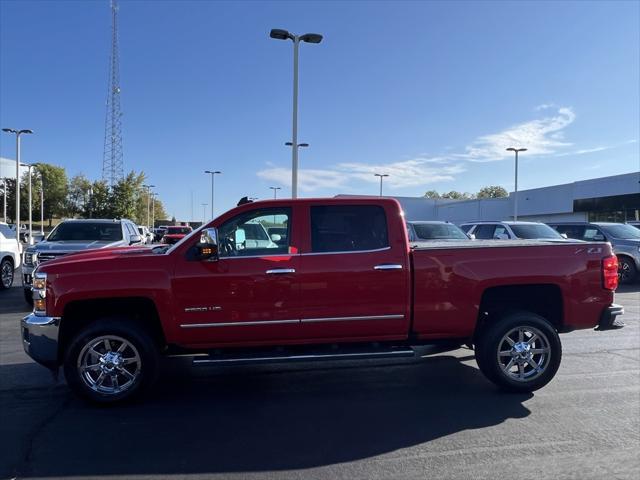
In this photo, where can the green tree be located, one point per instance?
(432, 194)
(125, 196)
(99, 202)
(492, 191)
(78, 193)
(455, 195)
(55, 184)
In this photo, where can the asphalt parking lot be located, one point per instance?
(436, 417)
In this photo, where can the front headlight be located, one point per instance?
(39, 290)
(30, 258)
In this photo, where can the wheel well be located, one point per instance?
(7, 257)
(626, 257)
(79, 314)
(544, 300)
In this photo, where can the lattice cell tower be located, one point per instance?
(112, 166)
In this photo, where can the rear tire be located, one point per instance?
(521, 352)
(110, 361)
(6, 273)
(627, 272)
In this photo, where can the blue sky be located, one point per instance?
(429, 92)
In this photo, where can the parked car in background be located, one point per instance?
(72, 236)
(624, 238)
(435, 230)
(634, 224)
(175, 233)
(158, 233)
(282, 234)
(9, 255)
(147, 236)
(511, 230)
(346, 285)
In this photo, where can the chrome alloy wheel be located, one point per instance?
(109, 364)
(524, 353)
(6, 275)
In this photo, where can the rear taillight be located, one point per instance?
(610, 273)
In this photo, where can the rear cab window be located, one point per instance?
(348, 228)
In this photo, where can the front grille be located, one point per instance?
(46, 256)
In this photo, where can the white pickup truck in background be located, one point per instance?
(9, 255)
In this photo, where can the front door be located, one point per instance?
(249, 295)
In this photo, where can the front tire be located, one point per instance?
(627, 271)
(111, 361)
(521, 352)
(6, 273)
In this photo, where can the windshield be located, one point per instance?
(438, 231)
(178, 230)
(534, 231)
(623, 232)
(86, 231)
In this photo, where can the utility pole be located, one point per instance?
(4, 190)
(204, 212)
(112, 163)
(515, 194)
(153, 210)
(41, 204)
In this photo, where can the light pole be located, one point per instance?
(153, 210)
(213, 174)
(17, 133)
(148, 187)
(381, 175)
(204, 211)
(280, 34)
(30, 205)
(294, 190)
(4, 190)
(515, 194)
(275, 192)
(41, 204)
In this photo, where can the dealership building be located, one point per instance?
(614, 199)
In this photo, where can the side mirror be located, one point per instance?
(133, 239)
(471, 236)
(275, 237)
(598, 238)
(501, 236)
(207, 247)
(564, 235)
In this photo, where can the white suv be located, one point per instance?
(9, 255)
(510, 230)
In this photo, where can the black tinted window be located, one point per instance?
(81, 231)
(484, 232)
(345, 228)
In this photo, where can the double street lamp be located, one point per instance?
(515, 194)
(280, 34)
(381, 175)
(213, 174)
(275, 191)
(18, 134)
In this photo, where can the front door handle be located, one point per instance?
(281, 271)
(388, 266)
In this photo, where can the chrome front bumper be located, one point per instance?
(40, 339)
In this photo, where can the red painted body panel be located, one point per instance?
(446, 283)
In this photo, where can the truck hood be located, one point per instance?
(91, 256)
(69, 246)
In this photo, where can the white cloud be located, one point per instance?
(540, 137)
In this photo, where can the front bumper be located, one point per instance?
(40, 339)
(608, 318)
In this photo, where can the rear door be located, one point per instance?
(354, 274)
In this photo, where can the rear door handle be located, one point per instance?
(281, 271)
(388, 266)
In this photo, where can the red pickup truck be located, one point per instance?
(339, 280)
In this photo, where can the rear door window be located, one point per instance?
(348, 228)
(484, 231)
